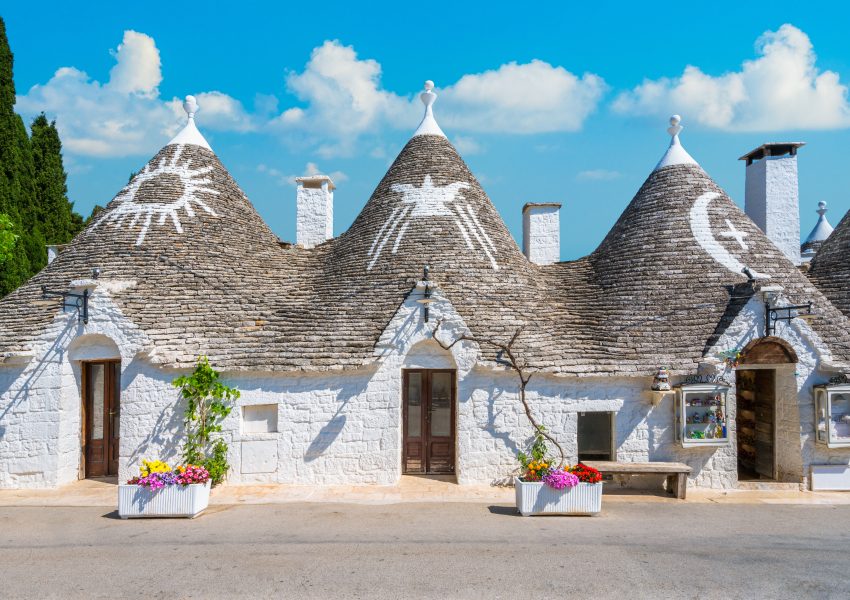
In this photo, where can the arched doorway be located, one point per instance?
(429, 411)
(100, 403)
(764, 361)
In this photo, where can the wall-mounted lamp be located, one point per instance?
(772, 314)
(426, 298)
(79, 302)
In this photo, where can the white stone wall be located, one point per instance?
(541, 233)
(772, 202)
(345, 427)
(795, 411)
(314, 219)
(40, 412)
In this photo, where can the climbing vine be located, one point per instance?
(208, 403)
(524, 372)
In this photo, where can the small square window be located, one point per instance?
(596, 436)
(259, 418)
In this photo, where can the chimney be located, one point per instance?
(53, 251)
(771, 196)
(314, 221)
(541, 232)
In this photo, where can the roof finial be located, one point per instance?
(822, 208)
(429, 126)
(675, 129)
(676, 154)
(190, 105)
(190, 134)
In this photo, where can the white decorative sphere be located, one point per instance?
(429, 85)
(821, 204)
(190, 105)
(675, 120)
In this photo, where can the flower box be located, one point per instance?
(537, 498)
(170, 501)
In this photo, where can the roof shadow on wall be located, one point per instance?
(330, 431)
(739, 295)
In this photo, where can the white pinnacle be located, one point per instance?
(428, 126)
(676, 154)
(190, 134)
(822, 228)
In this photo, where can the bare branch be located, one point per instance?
(520, 367)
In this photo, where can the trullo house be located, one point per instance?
(330, 339)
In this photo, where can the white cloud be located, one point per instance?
(344, 100)
(343, 96)
(598, 175)
(522, 99)
(466, 145)
(309, 170)
(126, 115)
(138, 67)
(780, 89)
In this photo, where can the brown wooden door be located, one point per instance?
(101, 393)
(429, 421)
(765, 403)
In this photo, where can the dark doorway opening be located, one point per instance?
(756, 423)
(101, 417)
(596, 436)
(428, 421)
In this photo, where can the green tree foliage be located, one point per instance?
(32, 184)
(59, 221)
(7, 238)
(17, 193)
(208, 402)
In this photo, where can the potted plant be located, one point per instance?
(160, 491)
(545, 488)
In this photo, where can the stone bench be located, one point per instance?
(677, 473)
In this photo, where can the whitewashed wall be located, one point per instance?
(346, 427)
(40, 409)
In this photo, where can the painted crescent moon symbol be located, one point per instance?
(701, 228)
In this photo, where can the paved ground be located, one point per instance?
(635, 549)
(103, 492)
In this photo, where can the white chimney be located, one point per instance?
(53, 251)
(541, 232)
(772, 195)
(314, 221)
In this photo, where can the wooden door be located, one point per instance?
(429, 421)
(101, 395)
(765, 407)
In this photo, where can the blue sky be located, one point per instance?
(545, 102)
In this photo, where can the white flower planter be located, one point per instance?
(170, 501)
(537, 498)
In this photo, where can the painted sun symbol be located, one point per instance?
(159, 193)
(427, 201)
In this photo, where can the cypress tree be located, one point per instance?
(17, 188)
(59, 222)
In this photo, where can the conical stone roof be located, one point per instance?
(192, 256)
(429, 209)
(830, 268)
(668, 279)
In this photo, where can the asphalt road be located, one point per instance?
(632, 550)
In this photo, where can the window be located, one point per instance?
(259, 418)
(596, 436)
(832, 415)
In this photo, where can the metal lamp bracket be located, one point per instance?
(71, 300)
(772, 314)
